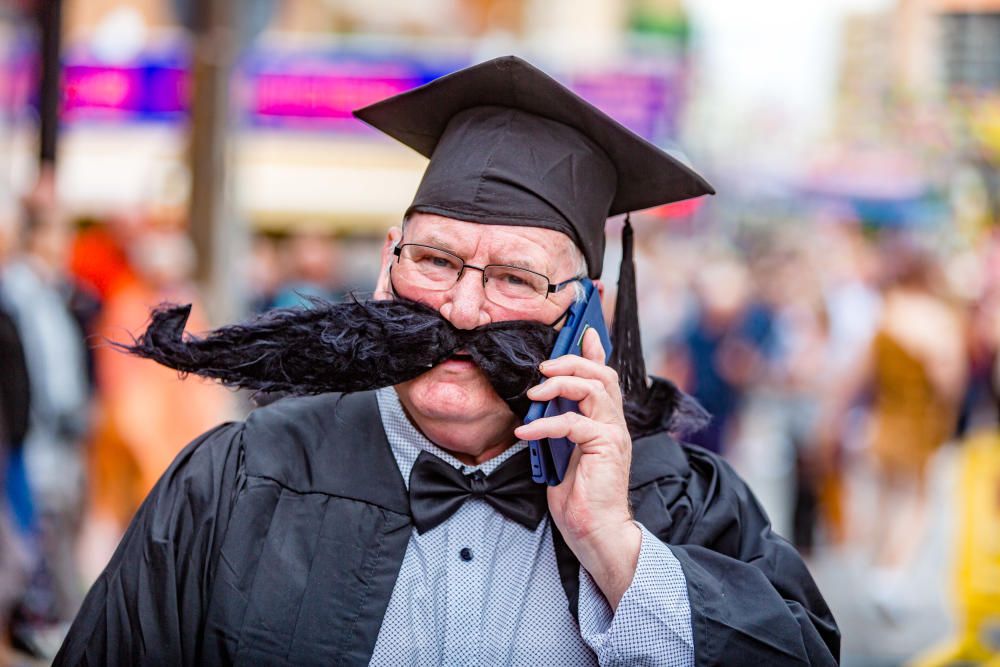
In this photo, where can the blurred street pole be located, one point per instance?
(215, 231)
(48, 14)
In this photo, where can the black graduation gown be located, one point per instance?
(278, 540)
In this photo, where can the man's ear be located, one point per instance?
(600, 288)
(382, 290)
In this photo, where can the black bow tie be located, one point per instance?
(437, 490)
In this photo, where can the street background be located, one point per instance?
(836, 306)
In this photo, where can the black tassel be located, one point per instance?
(626, 357)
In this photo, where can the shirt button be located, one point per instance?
(465, 554)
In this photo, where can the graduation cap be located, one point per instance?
(510, 145)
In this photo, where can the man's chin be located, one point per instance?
(453, 393)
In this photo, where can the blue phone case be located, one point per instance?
(550, 457)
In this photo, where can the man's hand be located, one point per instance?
(590, 506)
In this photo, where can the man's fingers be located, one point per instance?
(592, 395)
(592, 347)
(568, 386)
(570, 425)
(570, 364)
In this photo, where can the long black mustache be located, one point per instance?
(345, 347)
(361, 345)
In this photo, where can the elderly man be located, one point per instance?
(400, 526)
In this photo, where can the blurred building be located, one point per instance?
(970, 47)
(917, 125)
(299, 155)
(971, 43)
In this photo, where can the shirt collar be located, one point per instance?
(406, 441)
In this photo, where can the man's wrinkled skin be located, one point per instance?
(454, 405)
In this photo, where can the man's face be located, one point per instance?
(456, 394)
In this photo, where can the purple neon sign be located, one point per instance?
(317, 93)
(318, 100)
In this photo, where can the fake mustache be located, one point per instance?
(345, 347)
(362, 345)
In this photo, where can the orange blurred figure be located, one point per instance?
(148, 412)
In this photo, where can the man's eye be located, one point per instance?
(515, 280)
(432, 260)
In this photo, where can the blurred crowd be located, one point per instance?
(85, 430)
(846, 366)
(821, 349)
(834, 343)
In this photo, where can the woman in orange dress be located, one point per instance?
(916, 369)
(147, 412)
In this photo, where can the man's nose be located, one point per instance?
(464, 302)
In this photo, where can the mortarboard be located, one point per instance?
(510, 145)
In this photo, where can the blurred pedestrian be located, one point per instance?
(263, 272)
(853, 307)
(311, 264)
(981, 407)
(723, 346)
(99, 257)
(36, 293)
(782, 394)
(146, 411)
(916, 372)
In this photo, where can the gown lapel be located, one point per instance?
(317, 538)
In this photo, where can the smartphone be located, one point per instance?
(550, 456)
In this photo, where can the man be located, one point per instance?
(401, 526)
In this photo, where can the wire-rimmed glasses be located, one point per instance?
(434, 269)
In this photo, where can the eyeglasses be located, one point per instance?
(438, 270)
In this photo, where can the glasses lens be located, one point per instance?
(514, 287)
(429, 268)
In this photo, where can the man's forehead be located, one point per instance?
(499, 240)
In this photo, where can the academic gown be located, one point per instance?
(278, 540)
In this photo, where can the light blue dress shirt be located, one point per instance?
(480, 590)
